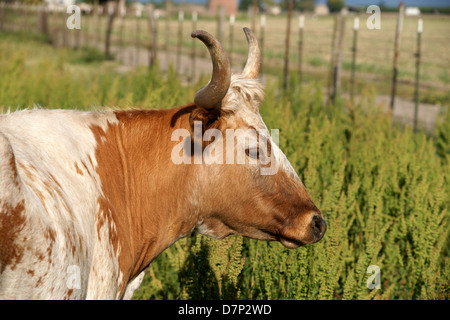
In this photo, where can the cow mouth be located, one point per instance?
(285, 240)
(290, 243)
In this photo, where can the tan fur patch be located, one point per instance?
(78, 170)
(12, 221)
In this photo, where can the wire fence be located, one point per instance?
(146, 36)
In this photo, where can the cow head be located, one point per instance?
(248, 186)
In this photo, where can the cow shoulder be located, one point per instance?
(9, 177)
(12, 207)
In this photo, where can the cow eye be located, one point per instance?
(253, 153)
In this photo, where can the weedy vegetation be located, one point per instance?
(384, 190)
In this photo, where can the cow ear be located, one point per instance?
(210, 119)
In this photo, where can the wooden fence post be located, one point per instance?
(111, 15)
(416, 93)
(84, 23)
(337, 59)
(97, 29)
(194, 47)
(123, 13)
(78, 36)
(286, 51)
(83, 17)
(2, 14)
(231, 38)
(255, 13)
(24, 13)
(179, 39)
(153, 24)
(64, 27)
(301, 25)
(43, 13)
(333, 46)
(55, 26)
(167, 33)
(221, 24)
(355, 37)
(261, 41)
(138, 35)
(396, 53)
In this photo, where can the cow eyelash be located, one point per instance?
(253, 153)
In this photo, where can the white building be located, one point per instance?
(321, 9)
(58, 5)
(412, 11)
(275, 10)
(60, 2)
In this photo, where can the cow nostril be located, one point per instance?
(318, 226)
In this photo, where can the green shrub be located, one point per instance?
(88, 54)
(384, 193)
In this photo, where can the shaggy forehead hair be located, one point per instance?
(244, 93)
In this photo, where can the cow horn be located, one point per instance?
(251, 68)
(212, 94)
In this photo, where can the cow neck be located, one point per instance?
(143, 193)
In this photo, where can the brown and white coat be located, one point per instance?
(95, 194)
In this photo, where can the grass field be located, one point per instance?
(384, 189)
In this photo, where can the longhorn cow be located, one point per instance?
(96, 194)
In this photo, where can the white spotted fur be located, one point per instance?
(46, 145)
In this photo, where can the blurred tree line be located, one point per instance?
(299, 5)
(302, 5)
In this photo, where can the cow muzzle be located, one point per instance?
(303, 230)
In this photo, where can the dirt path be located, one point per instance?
(404, 112)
